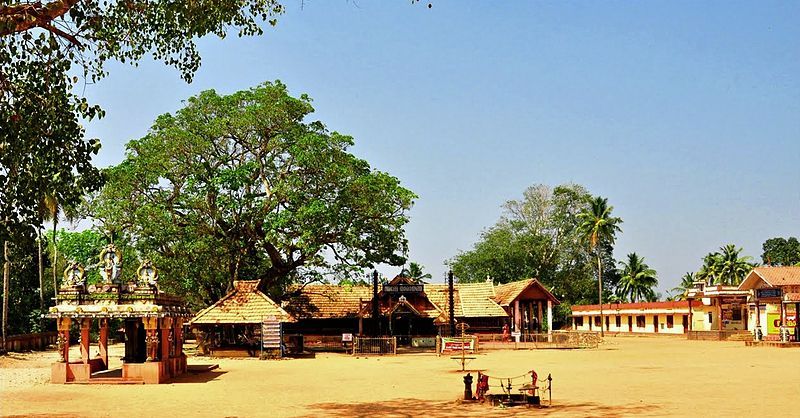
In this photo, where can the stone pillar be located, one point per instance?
(103, 341)
(151, 337)
(63, 325)
(783, 320)
(517, 316)
(549, 319)
(166, 325)
(86, 323)
(539, 316)
(173, 341)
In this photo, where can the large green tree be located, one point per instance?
(599, 227)
(243, 186)
(637, 280)
(538, 236)
(45, 45)
(781, 251)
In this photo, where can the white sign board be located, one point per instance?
(347, 337)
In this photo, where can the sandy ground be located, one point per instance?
(650, 376)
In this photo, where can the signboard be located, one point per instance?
(347, 337)
(271, 333)
(458, 344)
(768, 293)
(774, 322)
(403, 288)
(516, 334)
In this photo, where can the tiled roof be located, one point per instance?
(477, 300)
(678, 304)
(792, 297)
(779, 276)
(328, 301)
(438, 295)
(331, 301)
(506, 293)
(244, 305)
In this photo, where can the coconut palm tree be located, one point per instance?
(638, 280)
(731, 267)
(709, 271)
(414, 272)
(598, 226)
(687, 282)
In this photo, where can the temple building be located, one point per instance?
(411, 311)
(233, 325)
(773, 302)
(152, 320)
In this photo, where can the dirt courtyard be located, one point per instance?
(656, 376)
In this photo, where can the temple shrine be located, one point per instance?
(152, 320)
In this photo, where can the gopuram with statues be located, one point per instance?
(152, 322)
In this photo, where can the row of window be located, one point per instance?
(640, 321)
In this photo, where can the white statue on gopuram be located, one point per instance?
(147, 274)
(110, 263)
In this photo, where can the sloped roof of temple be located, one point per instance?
(245, 304)
(506, 294)
(321, 301)
(771, 276)
(327, 301)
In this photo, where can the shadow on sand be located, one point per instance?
(195, 373)
(410, 408)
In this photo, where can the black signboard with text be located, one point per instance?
(768, 293)
(403, 288)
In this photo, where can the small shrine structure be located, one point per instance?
(236, 325)
(153, 323)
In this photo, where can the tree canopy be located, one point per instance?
(637, 280)
(725, 267)
(241, 185)
(44, 46)
(781, 251)
(539, 236)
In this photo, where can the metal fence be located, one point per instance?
(557, 339)
(326, 343)
(375, 345)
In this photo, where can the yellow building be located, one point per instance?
(773, 302)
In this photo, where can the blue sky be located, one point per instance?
(685, 115)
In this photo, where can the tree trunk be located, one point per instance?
(41, 283)
(600, 294)
(6, 286)
(55, 255)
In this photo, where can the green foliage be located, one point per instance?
(638, 280)
(241, 186)
(23, 291)
(725, 267)
(42, 144)
(415, 272)
(539, 236)
(597, 228)
(85, 246)
(781, 251)
(687, 282)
